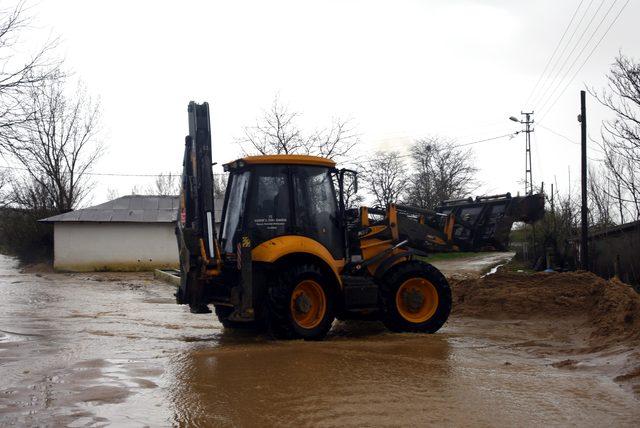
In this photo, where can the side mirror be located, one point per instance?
(355, 182)
(354, 176)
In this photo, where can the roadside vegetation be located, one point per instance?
(49, 138)
(451, 256)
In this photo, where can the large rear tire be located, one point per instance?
(300, 305)
(415, 297)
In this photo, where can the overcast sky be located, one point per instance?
(400, 69)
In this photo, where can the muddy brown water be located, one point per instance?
(100, 349)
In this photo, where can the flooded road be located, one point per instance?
(97, 349)
(472, 266)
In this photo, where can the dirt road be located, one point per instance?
(90, 350)
(472, 266)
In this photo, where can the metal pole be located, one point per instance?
(527, 150)
(529, 168)
(584, 247)
(528, 177)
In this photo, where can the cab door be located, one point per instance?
(269, 203)
(316, 207)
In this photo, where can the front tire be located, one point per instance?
(415, 297)
(300, 304)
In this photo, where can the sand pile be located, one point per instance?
(611, 309)
(603, 316)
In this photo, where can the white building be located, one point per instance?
(130, 233)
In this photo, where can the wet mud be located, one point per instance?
(98, 349)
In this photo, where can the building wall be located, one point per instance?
(622, 245)
(83, 247)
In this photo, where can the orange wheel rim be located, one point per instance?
(308, 304)
(417, 300)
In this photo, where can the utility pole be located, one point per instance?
(528, 177)
(584, 247)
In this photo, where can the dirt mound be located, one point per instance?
(603, 317)
(611, 308)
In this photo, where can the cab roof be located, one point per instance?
(280, 160)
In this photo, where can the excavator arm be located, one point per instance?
(195, 228)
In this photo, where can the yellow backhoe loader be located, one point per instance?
(289, 256)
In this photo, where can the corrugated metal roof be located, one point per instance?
(132, 208)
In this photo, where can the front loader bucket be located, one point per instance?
(485, 223)
(528, 209)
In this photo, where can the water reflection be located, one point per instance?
(245, 381)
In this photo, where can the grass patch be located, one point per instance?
(517, 266)
(450, 256)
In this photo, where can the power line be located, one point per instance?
(555, 78)
(567, 138)
(99, 174)
(114, 174)
(558, 134)
(579, 55)
(512, 134)
(476, 132)
(554, 52)
(545, 89)
(571, 141)
(564, 49)
(587, 58)
(111, 174)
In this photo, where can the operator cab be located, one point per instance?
(271, 196)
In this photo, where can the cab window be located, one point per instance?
(235, 208)
(316, 208)
(270, 211)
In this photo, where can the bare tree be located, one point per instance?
(614, 164)
(555, 231)
(165, 185)
(136, 189)
(621, 135)
(112, 193)
(58, 145)
(168, 184)
(442, 171)
(351, 198)
(32, 195)
(334, 142)
(624, 172)
(4, 188)
(18, 73)
(600, 196)
(278, 132)
(219, 185)
(386, 178)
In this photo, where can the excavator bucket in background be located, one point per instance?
(484, 223)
